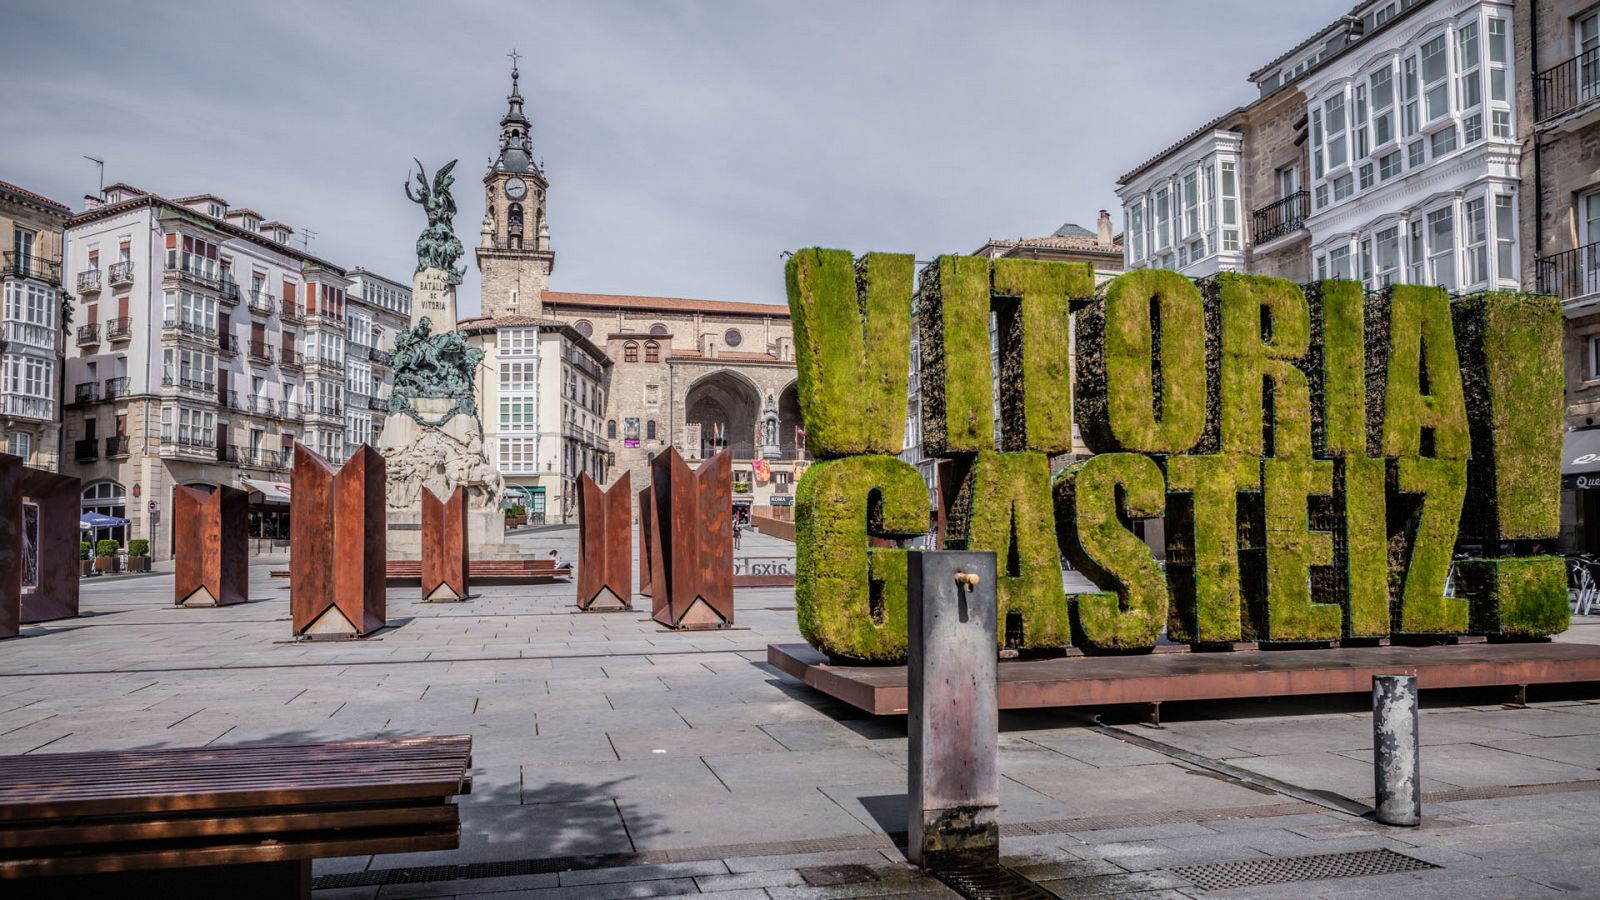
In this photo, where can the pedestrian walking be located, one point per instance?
(738, 529)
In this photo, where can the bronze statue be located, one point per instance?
(437, 247)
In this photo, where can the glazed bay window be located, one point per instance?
(1343, 187)
(1333, 112)
(518, 341)
(1417, 256)
(1475, 224)
(518, 376)
(1230, 206)
(1389, 166)
(1386, 257)
(1409, 119)
(1442, 248)
(1191, 205)
(1442, 142)
(1416, 154)
(1382, 107)
(1435, 80)
(1163, 219)
(196, 427)
(30, 314)
(1469, 84)
(1317, 167)
(1359, 120)
(1505, 236)
(519, 455)
(1339, 262)
(518, 414)
(1136, 230)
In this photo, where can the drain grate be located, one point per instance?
(991, 883)
(1286, 869)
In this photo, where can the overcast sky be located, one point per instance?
(687, 143)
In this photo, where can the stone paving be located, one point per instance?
(680, 763)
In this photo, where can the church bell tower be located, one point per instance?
(514, 255)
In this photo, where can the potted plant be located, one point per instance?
(139, 555)
(514, 515)
(105, 556)
(85, 564)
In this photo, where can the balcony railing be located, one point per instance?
(228, 291)
(289, 409)
(377, 403)
(227, 454)
(381, 357)
(1279, 218)
(116, 445)
(228, 399)
(88, 334)
(195, 275)
(261, 406)
(289, 311)
(200, 441)
(89, 281)
(227, 344)
(1572, 274)
(289, 358)
(119, 329)
(1566, 86)
(116, 387)
(261, 302)
(88, 392)
(24, 265)
(192, 329)
(121, 272)
(18, 406)
(780, 487)
(86, 450)
(260, 352)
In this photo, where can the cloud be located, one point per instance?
(687, 143)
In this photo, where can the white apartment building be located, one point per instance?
(543, 387)
(1414, 148)
(1183, 211)
(30, 325)
(209, 346)
(377, 310)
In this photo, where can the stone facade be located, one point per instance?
(1272, 127)
(32, 339)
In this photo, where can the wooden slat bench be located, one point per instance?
(232, 822)
(480, 569)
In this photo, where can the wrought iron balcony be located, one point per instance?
(121, 273)
(228, 291)
(227, 399)
(88, 334)
(116, 445)
(88, 392)
(377, 403)
(1281, 217)
(119, 329)
(30, 265)
(260, 352)
(116, 387)
(89, 281)
(204, 333)
(261, 302)
(1570, 275)
(289, 358)
(227, 344)
(289, 311)
(194, 275)
(20, 407)
(289, 409)
(227, 454)
(1567, 86)
(381, 357)
(86, 450)
(198, 441)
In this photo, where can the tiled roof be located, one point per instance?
(484, 324)
(666, 304)
(724, 354)
(1179, 143)
(1083, 245)
(200, 197)
(40, 198)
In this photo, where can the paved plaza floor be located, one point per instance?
(645, 763)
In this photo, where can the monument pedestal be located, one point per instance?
(441, 457)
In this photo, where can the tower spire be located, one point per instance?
(516, 142)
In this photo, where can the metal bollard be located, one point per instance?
(953, 713)
(1396, 750)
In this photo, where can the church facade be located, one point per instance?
(601, 383)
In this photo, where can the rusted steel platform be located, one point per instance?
(1160, 677)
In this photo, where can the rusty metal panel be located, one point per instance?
(446, 569)
(646, 543)
(59, 503)
(953, 715)
(337, 551)
(210, 535)
(605, 546)
(691, 560)
(10, 545)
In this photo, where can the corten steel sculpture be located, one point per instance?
(51, 508)
(646, 542)
(691, 561)
(10, 544)
(445, 567)
(604, 544)
(337, 550)
(211, 562)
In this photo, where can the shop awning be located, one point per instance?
(271, 491)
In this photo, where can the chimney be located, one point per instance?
(1103, 229)
(90, 201)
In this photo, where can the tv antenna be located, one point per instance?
(306, 235)
(102, 164)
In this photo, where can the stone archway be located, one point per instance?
(729, 400)
(789, 418)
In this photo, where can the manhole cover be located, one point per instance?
(1285, 869)
(830, 875)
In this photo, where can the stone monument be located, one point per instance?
(434, 438)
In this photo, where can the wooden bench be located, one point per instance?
(232, 822)
(508, 569)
